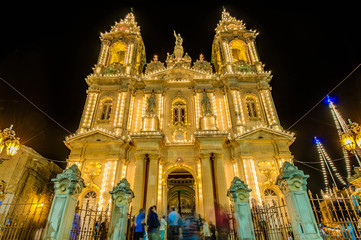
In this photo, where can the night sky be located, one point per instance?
(48, 49)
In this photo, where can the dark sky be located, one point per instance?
(48, 49)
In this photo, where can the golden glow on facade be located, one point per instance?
(126, 142)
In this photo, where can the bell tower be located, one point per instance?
(260, 144)
(122, 49)
(100, 146)
(121, 58)
(234, 46)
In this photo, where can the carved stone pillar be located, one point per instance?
(139, 182)
(208, 189)
(152, 188)
(68, 186)
(122, 196)
(239, 195)
(292, 183)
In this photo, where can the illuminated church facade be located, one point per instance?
(178, 131)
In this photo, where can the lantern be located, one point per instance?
(1, 142)
(358, 139)
(12, 146)
(348, 142)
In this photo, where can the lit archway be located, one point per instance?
(181, 191)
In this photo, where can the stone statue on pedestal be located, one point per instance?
(178, 48)
(206, 104)
(151, 105)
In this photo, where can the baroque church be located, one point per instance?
(179, 131)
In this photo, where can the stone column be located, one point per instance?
(207, 184)
(152, 188)
(68, 186)
(239, 195)
(221, 181)
(122, 196)
(292, 183)
(139, 182)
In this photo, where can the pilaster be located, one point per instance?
(152, 188)
(220, 180)
(139, 182)
(208, 188)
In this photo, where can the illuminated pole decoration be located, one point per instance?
(341, 127)
(326, 161)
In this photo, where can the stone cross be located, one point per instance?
(239, 195)
(293, 184)
(68, 185)
(122, 196)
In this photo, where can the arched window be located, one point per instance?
(117, 53)
(106, 110)
(270, 197)
(179, 111)
(239, 51)
(252, 107)
(269, 193)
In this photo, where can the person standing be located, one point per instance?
(139, 225)
(212, 229)
(153, 224)
(75, 227)
(163, 227)
(173, 220)
(205, 231)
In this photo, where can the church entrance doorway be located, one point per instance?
(181, 192)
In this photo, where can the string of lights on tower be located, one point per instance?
(327, 163)
(350, 138)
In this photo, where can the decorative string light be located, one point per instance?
(236, 106)
(199, 176)
(130, 120)
(225, 100)
(341, 128)
(255, 180)
(327, 161)
(89, 110)
(160, 181)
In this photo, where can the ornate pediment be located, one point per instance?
(93, 135)
(265, 133)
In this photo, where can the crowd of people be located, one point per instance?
(172, 227)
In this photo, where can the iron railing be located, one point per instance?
(337, 214)
(24, 219)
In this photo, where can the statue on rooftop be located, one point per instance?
(178, 39)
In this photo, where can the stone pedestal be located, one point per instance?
(122, 196)
(292, 183)
(208, 122)
(239, 195)
(68, 186)
(150, 124)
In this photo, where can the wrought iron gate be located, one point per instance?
(271, 221)
(90, 223)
